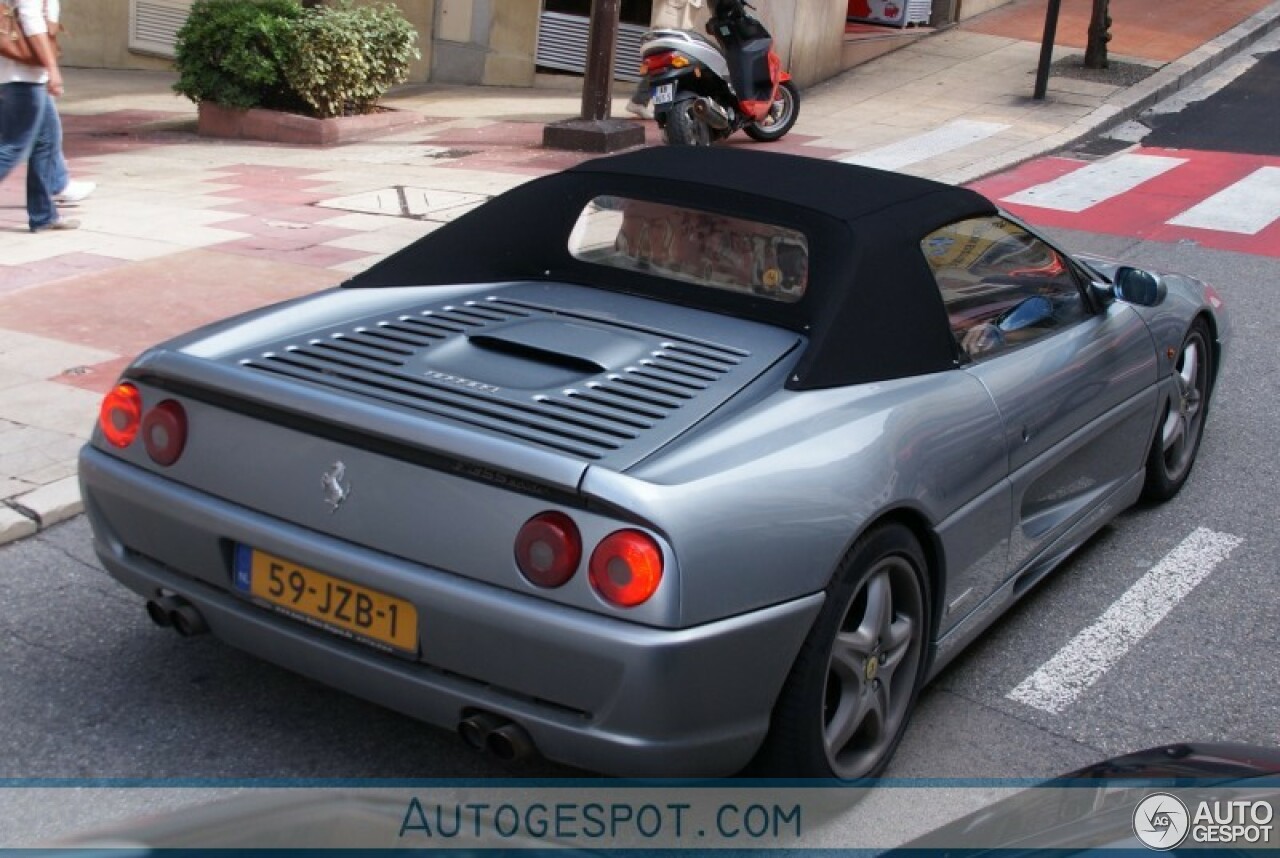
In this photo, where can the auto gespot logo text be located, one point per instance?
(1162, 821)
(1232, 821)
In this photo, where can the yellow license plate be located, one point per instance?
(333, 603)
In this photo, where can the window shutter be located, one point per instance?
(154, 25)
(562, 44)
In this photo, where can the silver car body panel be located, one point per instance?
(606, 694)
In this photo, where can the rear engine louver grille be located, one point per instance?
(594, 418)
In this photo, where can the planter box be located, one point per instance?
(275, 127)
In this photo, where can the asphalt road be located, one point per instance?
(89, 688)
(1234, 120)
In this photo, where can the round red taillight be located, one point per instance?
(548, 549)
(164, 432)
(121, 415)
(626, 568)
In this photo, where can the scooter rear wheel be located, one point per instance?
(782, 115)
(683, 128)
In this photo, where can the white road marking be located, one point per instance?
(1100, 181)
(1249, 206)
(941, 140)
(1089, 655)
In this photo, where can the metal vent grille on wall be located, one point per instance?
(919, 11)
(154, 25)
(562, 44)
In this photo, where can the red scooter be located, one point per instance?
(703, 91)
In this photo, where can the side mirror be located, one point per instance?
(1103, 294)
(1136, 286)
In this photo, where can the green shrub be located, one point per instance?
(346, 57)
(323, 61)
(233, 52)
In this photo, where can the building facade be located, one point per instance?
(507, 42)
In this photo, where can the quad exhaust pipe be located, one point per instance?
(502, 737)
(177, 613)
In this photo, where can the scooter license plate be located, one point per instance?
(664, 93)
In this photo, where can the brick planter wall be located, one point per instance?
(274, 127)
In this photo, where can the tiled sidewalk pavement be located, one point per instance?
(183, 231)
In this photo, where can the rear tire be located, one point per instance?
(683, 128)
(1177, 440)
(782, 115)
(845, 705)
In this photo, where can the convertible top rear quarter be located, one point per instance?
(652, 469)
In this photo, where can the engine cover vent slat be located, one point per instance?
(552, 433)
(604, 378)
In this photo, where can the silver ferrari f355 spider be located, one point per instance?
(652, 468)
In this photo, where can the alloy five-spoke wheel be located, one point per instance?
(871, 675)
(846, 703)
(1178, 438)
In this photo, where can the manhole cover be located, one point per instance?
(409, 202)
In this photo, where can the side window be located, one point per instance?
(1002, 286)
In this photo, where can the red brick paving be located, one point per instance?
(128, 309)
(89, 136)
(315, 256)
(269, 210)
(1162, 31)
(13, 278)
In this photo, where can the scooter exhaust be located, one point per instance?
(711, 113)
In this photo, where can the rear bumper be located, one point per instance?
(591, 691)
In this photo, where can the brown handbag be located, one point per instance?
(14, 44)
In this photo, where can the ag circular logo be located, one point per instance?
(1161, 821)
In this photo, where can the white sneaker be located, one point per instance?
(640, 111)
(74, 192)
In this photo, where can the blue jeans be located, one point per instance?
(58, 176)
(30, 132)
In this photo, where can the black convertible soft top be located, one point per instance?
(872, 310)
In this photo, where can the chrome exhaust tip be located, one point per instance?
(177, 613)
(159, 613)
(187, 621)
(476, 727)
(510, 742)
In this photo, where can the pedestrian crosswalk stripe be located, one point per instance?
(1084, 660)
(941, 140)
(1248, 207)
(1088, 186)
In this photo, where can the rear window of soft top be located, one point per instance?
(692, 246)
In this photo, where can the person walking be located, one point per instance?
(30, 131)
(70, 191)
(667, 15)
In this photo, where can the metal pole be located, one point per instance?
(1046, 48)
(598, 80)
